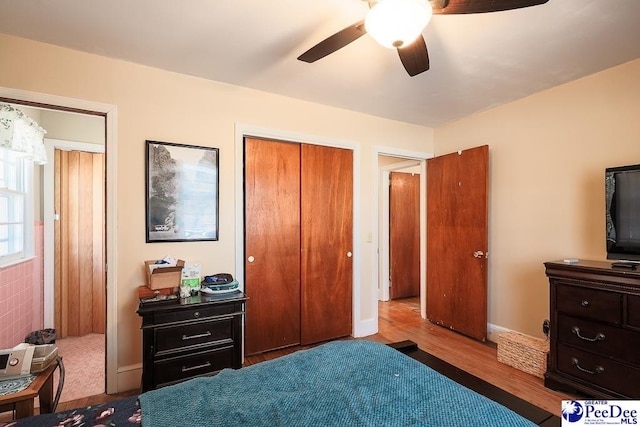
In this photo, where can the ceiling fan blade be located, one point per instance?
(334, 42)
(480, 6)
(415, 57)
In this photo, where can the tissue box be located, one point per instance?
(159, 276)
(191, 275)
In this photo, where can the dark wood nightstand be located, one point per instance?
(190, 337)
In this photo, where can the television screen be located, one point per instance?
(622, 195)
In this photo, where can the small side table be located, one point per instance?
(23, 401)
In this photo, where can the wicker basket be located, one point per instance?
(524, 353)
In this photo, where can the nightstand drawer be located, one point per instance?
(591, 303)
(176, 369)
(599, 338)
(599, 371)
(197, 313)
(211, 332)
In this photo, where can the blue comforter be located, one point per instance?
(341, 383)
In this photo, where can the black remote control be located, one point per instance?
(629, 265)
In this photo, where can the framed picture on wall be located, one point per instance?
(181, 192)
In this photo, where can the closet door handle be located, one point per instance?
(349, 254)
(251, 259)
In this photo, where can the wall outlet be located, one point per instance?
(546, 326)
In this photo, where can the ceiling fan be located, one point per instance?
(398, 24)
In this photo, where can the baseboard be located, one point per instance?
(365, 328)
(129, 377)
(493, 331)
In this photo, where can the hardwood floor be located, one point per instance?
(400, 320)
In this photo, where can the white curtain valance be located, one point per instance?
(20, 133)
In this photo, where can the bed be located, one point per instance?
(340, 383)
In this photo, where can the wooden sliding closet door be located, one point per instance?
(79, 276)
(272, 246)
(327, 242)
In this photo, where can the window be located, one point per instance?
(16, 208)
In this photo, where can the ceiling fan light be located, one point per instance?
(397, 23)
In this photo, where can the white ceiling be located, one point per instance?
(477, 61)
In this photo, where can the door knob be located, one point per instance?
(349, 254)
(480, 254)
(251, 259)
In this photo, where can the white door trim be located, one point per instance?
(380, 221)
(360, 327)
(111, 176)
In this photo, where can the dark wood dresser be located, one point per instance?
(190, 337)
(595, 329)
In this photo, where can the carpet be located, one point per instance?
(355, 383)
(83, 359)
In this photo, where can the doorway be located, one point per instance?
(390, 160)
(388, 235)
(74, 185)
(71, 107)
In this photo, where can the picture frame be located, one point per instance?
(182, 192)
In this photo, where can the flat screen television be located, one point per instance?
(622, 196)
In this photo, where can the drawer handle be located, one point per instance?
(599, 336)
(584, 303)
(599, 369)
(204, 365)
(191, 337)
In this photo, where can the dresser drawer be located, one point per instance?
(170, 338)
(600, 371)
(633, 311)
(599, 338)
(591, 303)
(196, 313)
(168, 371)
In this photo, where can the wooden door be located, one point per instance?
(327, 242)
(404, 234)
(457, 188)
(79, 276)
(272, 244)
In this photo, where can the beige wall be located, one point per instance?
(547, 157)
(164, 106)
